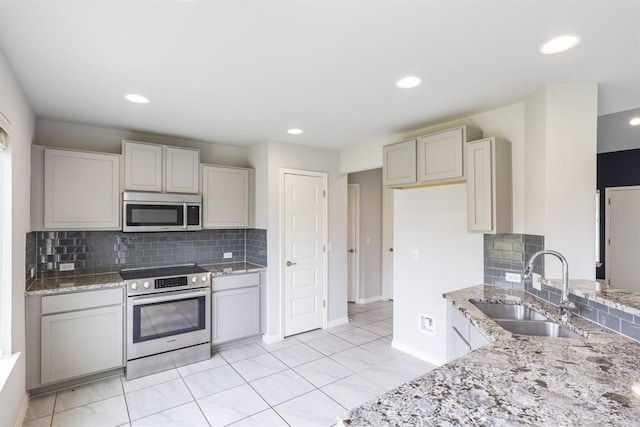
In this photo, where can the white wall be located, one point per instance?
(370, 243)
(616, 134)
(535, 163)
(289, 156)
(56, 133)
(258, 159)
(571, 177)
(433, 221)
(14, 106)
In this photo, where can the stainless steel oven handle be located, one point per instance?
(173, 296)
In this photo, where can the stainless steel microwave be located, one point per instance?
(161, 212)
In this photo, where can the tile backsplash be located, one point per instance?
(508, 253)
(95, 252)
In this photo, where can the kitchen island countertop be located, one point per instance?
(518, 379)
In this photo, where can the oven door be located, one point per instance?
(163, 322)
(151, 216)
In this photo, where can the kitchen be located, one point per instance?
(540, 182)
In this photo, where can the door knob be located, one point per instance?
(289, 263)
(351, 251)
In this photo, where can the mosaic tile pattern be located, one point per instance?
(256, 241)
(96, 252)
(508, 253)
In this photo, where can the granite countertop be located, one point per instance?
(233, 268)
(57, 285)
(621, 299)
(518, 379)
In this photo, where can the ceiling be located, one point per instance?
(244, 71)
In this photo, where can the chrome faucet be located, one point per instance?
(566, 306)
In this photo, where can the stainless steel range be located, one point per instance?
(168, 318)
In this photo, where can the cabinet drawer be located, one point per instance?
(235, 281)
(460, 322)
(81, 300)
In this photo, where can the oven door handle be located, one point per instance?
(145, 299)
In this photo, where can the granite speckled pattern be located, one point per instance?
(233, 268)
(57, 285)
(110, 280)
(621, 299)
(517, 379)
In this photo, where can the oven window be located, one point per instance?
(164, 319)
(141, 215)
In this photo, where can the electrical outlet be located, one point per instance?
(227, 255)
(66, 266)
(427, 324)
(535, 281)
(415, 254)
(512, 277)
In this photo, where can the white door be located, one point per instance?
(623, 237)
(387, 243)
(353, 233)
(304, 256)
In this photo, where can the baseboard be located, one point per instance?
(23, 411)
(368, 300)
(429, 358)
(270, 339)
(338, 322)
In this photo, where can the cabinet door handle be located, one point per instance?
(390, 249)
(351, 251)
(289, 263)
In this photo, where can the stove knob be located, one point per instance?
(134, 285)
(194, 279)
(146, 285)
(205, 278)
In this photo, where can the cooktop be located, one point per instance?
(158, 272)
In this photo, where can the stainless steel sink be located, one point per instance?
(508, 311)
(537, 328)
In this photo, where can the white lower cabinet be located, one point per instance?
(235, 306)
(73, 335)
(463, 336)
(81, 342)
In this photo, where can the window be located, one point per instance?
(5, 243)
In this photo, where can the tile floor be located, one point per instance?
(305, 380)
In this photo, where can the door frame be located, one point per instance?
(356, 244)
(325, 237)
(387, 243)
(607, 226)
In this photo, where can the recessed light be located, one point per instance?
(636, 388)
(408, 82)
(137, 99)
(635, 121)
(560, 43)
(294, 131)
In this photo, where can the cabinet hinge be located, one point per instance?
(324, 303)
(609, 201)
(609, 242)
(324, 193)
(324, 248)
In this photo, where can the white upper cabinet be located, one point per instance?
(81, 190)
(489, 194)
(399, 163)
(156, 168)
(142, 166)
(182, 170)
(431, 159)
(225, 197)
